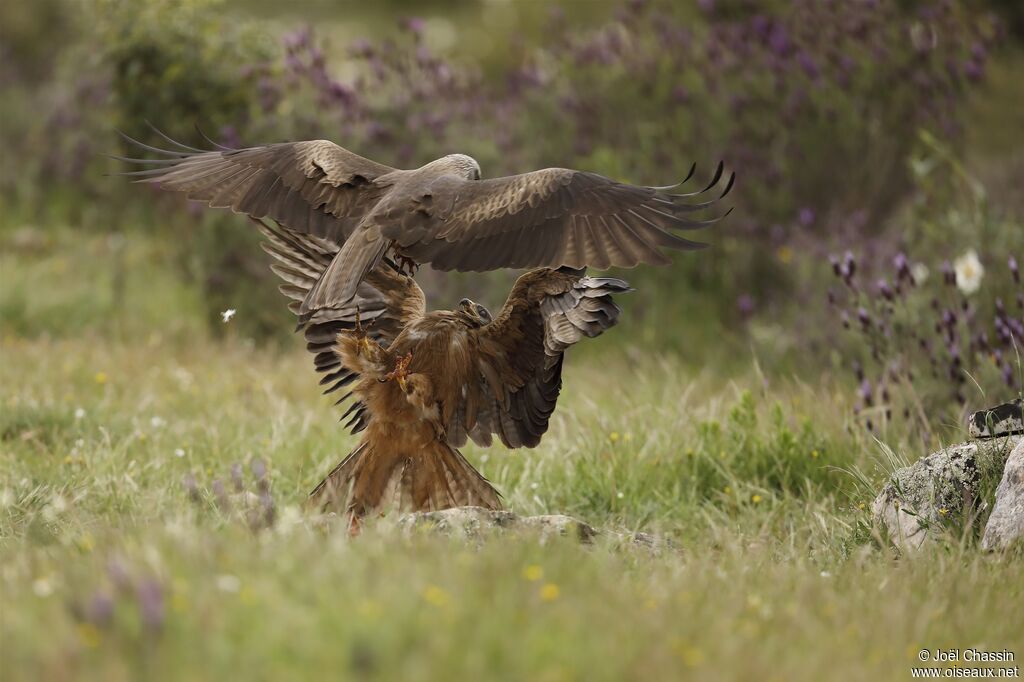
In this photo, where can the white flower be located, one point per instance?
(80, 413)
(157, 422)
(969, 272)
(534, 486)
(619, 495)
(227, 314)
(42, 587)
(228, 583)
(178, 452)
(919, 271)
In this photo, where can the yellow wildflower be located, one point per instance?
(614, 436)
(533, 573)
(755, 498)
(814, 454)
(549, 592)
(692, 657)
(943, 511)
(89, 635)
(784, 254)
(435, 595)
(100, 378)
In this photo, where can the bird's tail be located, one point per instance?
(373, 479)
(339, 282)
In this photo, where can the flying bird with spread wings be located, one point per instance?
(423, 383)
(442, 213)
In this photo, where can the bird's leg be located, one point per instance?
(401, 370)
(360, 333)
(354, 526)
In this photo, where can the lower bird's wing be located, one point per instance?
(516, 373)
(385, 302)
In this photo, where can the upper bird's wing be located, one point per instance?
(312, 187)
(386, 301)
(512, 389)
(548, 218)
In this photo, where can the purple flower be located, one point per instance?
(864, 318)
(414, 25)
(1014, 269)
(865, 392)
(259, 469)
(885, 290)
(808, 64)
(778, 40)
(151, 604)
(100, 610)
(837, 268)
(806, 216)
(948, 274)
(745, 305)
(118, 573)
(974, 70)
(189, 483)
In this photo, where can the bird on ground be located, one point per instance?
(423, 383)
(442, 213)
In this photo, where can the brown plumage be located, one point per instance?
(449, 375)
(441, 213)
(467, 375)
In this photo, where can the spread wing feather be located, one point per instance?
(386, 302)
(519, 355)
(550, 218)
(313, 187)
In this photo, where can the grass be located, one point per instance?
(114, 565)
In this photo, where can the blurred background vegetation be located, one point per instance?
(884, 135)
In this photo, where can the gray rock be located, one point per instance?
(1001, 420)
(477, 522)
(473, 522)
(1006, 523)
(917, 501)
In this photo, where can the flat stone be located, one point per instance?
(1001, 420)
(477, 522)
(917, 501)
(1006, 523)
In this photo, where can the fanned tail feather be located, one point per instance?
(370, 480)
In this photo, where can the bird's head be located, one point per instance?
(476, 313)
(459, 165)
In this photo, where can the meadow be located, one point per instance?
(863, 298)
(153, 522)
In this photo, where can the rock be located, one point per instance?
(1006, 523)
(473, 522)
(476, 522)
(1001, 420)
(918, 499)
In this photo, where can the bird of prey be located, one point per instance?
(442, 213)
(423, 383)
